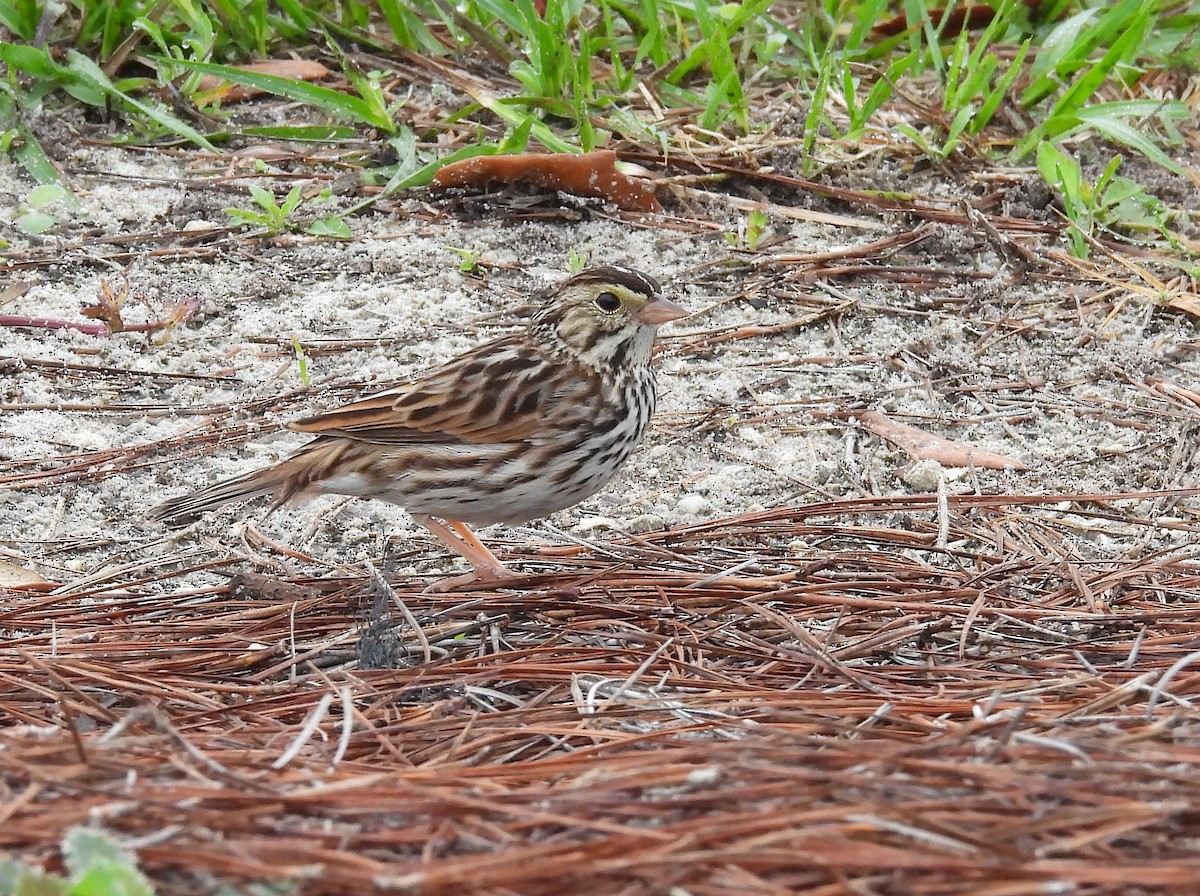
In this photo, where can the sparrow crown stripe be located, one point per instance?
(635, 281)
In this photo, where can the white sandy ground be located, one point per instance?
(772, 432)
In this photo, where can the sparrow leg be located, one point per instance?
(488, 570)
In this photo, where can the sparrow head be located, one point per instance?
(606, 317)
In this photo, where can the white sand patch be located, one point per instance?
(749, 423)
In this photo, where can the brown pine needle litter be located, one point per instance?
(838, 706)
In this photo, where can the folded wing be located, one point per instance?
(501, 392)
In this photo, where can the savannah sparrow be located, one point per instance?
(514, 430)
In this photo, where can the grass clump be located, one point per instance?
(997, 83)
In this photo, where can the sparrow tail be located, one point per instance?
(284, 481)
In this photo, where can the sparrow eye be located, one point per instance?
(608, 303)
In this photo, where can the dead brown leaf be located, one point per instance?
(213, 88)
(587, 174)
(20, 578)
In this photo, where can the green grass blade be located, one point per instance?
(88, 69)
(19, 18)
(1101, 119)
(408, 29)
(993, 100)
(506, 110)
(332, 101)
(1085, 87)
(305, 133)
(1053, 53)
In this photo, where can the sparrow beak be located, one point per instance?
(660, 311)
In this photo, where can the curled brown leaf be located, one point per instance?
(587, 174)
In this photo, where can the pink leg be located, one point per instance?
(487, 569)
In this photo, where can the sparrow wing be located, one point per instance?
(500, 392)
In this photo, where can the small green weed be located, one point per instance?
(96, 866)
(275, 217)
(301, 362)
(751, 232)
(35, 217)
(1114, 204)
(271, 216)
(468, 259)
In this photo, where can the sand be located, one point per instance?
(1058, 373)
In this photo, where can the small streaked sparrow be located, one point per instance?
(512, 431)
